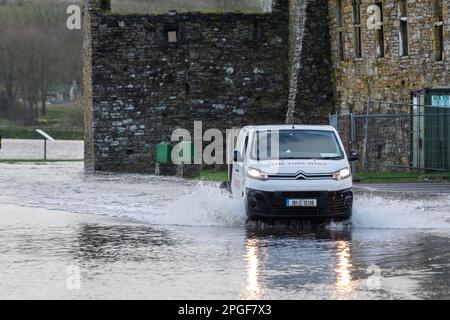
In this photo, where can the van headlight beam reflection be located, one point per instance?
(257, 174)
(342, 174)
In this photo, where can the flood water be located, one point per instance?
(35, 149)
(144, 237)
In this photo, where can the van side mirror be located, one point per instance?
(353, 156)
(237, 157)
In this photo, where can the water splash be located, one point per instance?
(204, 205)
(376, 212)
(171, 201)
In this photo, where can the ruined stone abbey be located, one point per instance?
(146, 74)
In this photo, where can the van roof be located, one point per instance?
(289, 127)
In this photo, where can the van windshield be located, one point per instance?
(295, 144)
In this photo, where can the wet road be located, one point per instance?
(133, 236)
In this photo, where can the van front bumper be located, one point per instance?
(273, 205)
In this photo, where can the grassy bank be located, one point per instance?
(214, 175)
(62, 116)
(30, 133)
(60, 122)
(369, 177)
(402, 177)
(5, 122)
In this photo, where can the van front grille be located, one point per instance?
(328, 203)
(302, 176)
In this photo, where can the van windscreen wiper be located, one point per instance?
(297, 158)
(331, 158)
(325, 158)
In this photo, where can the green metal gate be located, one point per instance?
(431, 123)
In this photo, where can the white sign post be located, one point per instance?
(46, 137)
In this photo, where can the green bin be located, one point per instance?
(164, 153)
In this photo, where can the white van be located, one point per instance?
(293, 171)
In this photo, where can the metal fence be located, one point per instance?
(398, 141)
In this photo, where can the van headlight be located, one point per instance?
(342, 174)
(257, 174)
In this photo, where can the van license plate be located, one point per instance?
(301, 202)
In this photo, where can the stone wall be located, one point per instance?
(311, 87)
(226, 69)
(392, 77)
(89, 147)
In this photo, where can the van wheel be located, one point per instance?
(247, 211)
(250, 216)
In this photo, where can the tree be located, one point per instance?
(36, 51)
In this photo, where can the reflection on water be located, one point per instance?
(292, 258)
(101, 244)
(253, 289)
(344, 280)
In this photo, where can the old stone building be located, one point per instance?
(146, 75)
(407, 53)
(399, 67)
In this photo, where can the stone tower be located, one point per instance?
(146, 75)
(311, 88)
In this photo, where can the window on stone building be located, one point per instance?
(438, 29)
(402, 8)
(340, 13)
(357, 27)
(438, 9)
(172, 36)
(341, 46)
(380, 33)
(403, 32)
(438, 42)
(340, 21)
